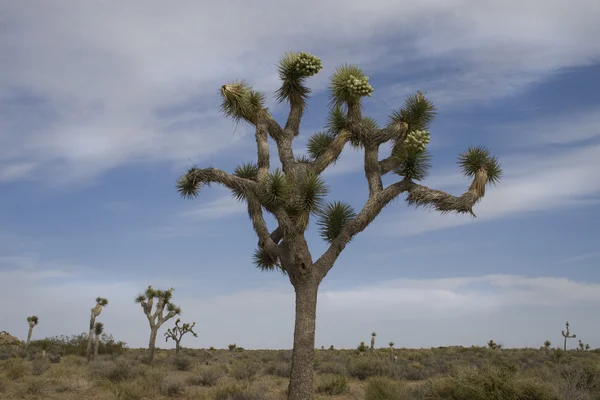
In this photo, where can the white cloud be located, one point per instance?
(89, 88)
(412, 313)
(223, 206)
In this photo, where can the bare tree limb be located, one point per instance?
(333, 152)
(372, 169)
(417, 195)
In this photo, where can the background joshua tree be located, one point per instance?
(296, 191)
(32, 321)
(178, 331)
(156, 319)
(100, 303)
(547, 344)
(391, 344)
(98, 330)
(232, 346)
(566, 335)
(373, 341)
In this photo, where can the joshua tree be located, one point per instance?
(98, 330)
(373, 341)
(391, 344)
(232, 346)
(178, 331)
(566, 335)
(32, 321)
(361, 348)
(296, 191)
(156, 319)
(587, 346)
(100, 303)
(547, 344)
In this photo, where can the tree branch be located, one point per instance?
(372, 169)
(262, 145)
(388, 164)
(333, 152)
(417, 195)
(265, 239)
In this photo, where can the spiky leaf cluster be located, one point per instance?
(333, 218)
(246, 171)
(294, 68)
(417, 140)
(98, 328)
(336, 120)
(33, 320)
(412, 163)
(418, 112)
(348, 84)
(318, 143)
(265, 261)
(101, 301)
(478, 158)
(275, 190)
(240, 101)
(312, 191)
(189, 184)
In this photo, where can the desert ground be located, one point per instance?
(57, 369)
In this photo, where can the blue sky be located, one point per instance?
(102, 107)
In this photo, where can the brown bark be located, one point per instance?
(89, 353)
(303, 355)
(96, 345)
(152, 343)
(29, 336)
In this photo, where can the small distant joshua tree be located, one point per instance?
(232, 346)
(391, 344)
(297, 191)
(361, 347)
(100, 304)
(373, 341)
(547, 344)
(567, 335)
(32, 321)
(98, 330)
(176, 334)
(331, 347)
(494, 346)
(156, 319)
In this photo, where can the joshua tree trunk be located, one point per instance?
(152, 343)
(303, 356)
(90, 346)
(177, 346)
(96, 345)
(29, 337)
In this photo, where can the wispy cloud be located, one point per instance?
(469, 310)
(581, 257)
(223, 206)
(138, 93)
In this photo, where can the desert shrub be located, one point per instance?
(15, 368)
(38, 367)
(331, 384)
(278, 368)
(113, 371)
(236, 392)
(7, 352)
(205, 376)
(244, 371)
(182, 362)
(487, 383)
(172, 387)
(125, 390)
(364, 368)
(332, 367)
(380, 388)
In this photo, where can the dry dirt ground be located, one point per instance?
(453, 373)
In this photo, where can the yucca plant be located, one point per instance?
(98, 330)
(547, 344)
(101, 302)
(32, 321)
(176, 334)
(297, 191)
(567, 335)
(156, 319)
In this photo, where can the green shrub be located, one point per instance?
(331, 384)
(172, 387)
(366, 367)
(380, 388)
(205, 376)
(244, 371)
(38, 367)
(15, 368)
(235, 392)
(182, 362)
(278, 368)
